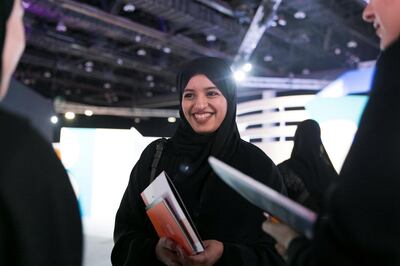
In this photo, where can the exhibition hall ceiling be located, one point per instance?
(125, 53)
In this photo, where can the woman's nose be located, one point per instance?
(368, 14)
(201, 102)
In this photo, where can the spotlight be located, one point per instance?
(167, 50)
(247, 67)
(61, 27)
(69, 115)
(54, 119)
(300, 15)
(88, 112)
(268, 58)
(239, 75)
(129, 8)
(211, 38)
(171, 119)
(141, 52)
(352, 44)
(338, 51)
(282, 22)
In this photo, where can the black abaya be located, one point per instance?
(218, 212)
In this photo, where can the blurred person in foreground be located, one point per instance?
(362, 224)
(39, 216)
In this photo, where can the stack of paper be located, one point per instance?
(169, 216)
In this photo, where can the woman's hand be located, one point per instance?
(282, 233)
(212, 253)
(167, 252)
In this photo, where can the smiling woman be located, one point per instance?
(203, 105)
(229, 225)
(384, 14)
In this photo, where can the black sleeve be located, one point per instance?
(39, 204)
(262, 253)
(134, 237)
(256, 248)
(299, 252)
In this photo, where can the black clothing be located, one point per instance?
(296, 189)
(363, 219)
(308, 172)
(218, 212)
(39, 216)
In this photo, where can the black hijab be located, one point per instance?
(185, 160)
(5, 11)
(310, 161)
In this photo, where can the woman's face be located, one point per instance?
(203, 105)
(385, 15)
(14, 45)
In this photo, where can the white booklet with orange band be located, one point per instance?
(286, 210)
(169, 216)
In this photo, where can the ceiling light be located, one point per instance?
(152, 84)
(138, 38)
(89, 64)
(149, 78)
(61, 27)
(171, 119)
(88, 112)
(239, 75)
(54, 119)
(107, 85)
(47, 74)
(26, 4)
(268, 58)
(69, 115)
(300, 15)
(167, 50)
(141, 52)
(120, 61)
(211, 38)
(282, 22)
(273, 24)
(338, 51)
(247, 67)
(129, 8)
(137, 120)
(352, 44)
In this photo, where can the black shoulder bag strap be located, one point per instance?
(157, 157)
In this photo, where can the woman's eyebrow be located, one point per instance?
(211, 88)
(206, 88)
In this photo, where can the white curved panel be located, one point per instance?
(273, 103)
(269, 132)
(272, 117)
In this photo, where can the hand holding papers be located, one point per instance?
(288, 211)
(169, 216)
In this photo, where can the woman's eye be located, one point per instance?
(212, 93)
(188, 95)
